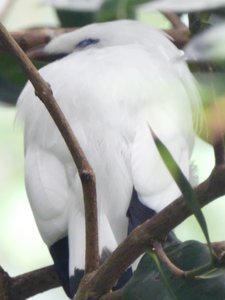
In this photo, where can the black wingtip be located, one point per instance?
(60, 254)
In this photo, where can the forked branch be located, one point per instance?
(156, 228)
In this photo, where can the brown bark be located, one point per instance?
(28, 284)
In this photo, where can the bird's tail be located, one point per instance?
(107, 244)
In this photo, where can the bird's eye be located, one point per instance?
(87, 42)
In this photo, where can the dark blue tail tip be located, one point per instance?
(75, 281)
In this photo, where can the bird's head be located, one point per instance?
(98, 35)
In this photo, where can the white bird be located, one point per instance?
(114, 80)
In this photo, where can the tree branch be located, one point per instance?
(28, 284)
(31, 38)
(180, 32)
(86, 173)
(175, 20)
(154, 229)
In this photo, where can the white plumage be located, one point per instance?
(119, 78)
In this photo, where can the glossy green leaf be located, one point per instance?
(149, 284)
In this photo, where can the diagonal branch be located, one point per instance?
(154, 229)
(175, 20)
(180, 32)
(86, 173)
(28, 284)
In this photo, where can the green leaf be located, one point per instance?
(185, 187)
(148, 283)
(117, 9)
(10, 70)
(72, 18)
(12, 78)
(162, 274)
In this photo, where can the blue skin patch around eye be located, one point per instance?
(87, 42)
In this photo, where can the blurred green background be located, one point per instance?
(21, 248)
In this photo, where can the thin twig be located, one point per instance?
(165, 259)
(86, 173)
